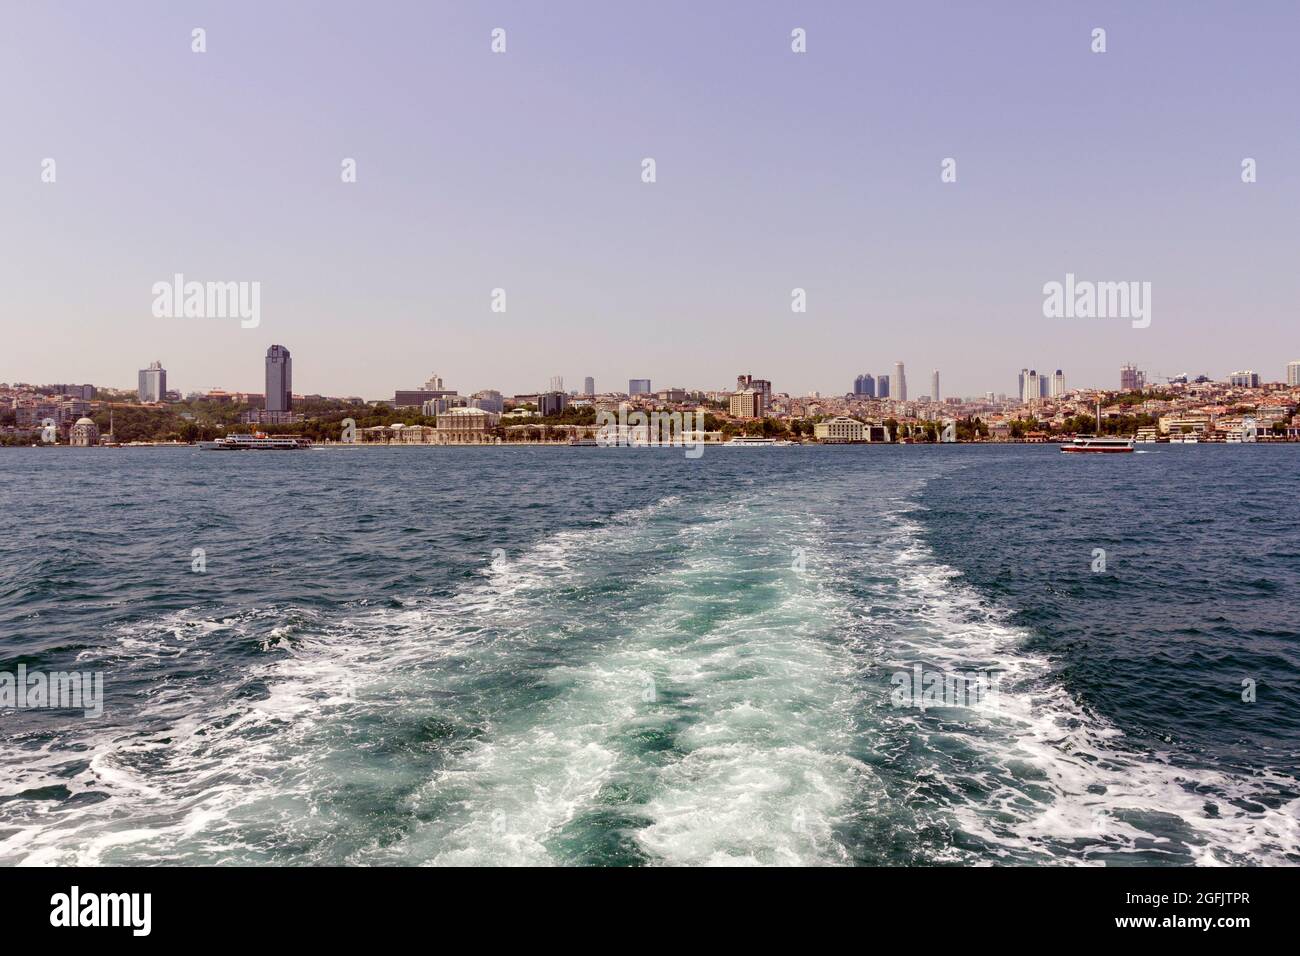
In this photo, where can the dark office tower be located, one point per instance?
(589, 386)
(868, 386)
(279, 379)
(857, 385)
(882, 387)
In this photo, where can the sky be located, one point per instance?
(522, 171)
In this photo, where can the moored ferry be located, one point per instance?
(257, 441)
(1091, 443)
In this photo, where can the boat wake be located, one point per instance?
(691, 682)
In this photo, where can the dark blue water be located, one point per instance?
(579, 656)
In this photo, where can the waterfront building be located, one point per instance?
(414, 434)
(279, 379)
(839, 430)
(153, 383)
(84, 434)
(638, 386)
(466, 426)
(747, 404)
(899, 383)
(1179, 424)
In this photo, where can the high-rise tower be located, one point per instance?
(279, 379)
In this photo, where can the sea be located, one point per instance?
(631, 657)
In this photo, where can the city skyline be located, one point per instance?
(1046, 384)
(836, 193)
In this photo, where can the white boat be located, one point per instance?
(1094, 444)
(1091, 443)
(751, 441)
(1191, 439)
(257, 441)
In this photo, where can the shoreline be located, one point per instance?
(538, 444)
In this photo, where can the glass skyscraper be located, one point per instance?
(279, 379)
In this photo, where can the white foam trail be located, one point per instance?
(1064, 783)
(214, 762)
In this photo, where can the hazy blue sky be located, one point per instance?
(522, 171)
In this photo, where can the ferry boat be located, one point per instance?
(1091, 443)
(1097, 445)
(584, 443)
(751, 441)
(258, 441)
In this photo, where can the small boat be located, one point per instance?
(584, 443)
(258, 441)
(1091, 443)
